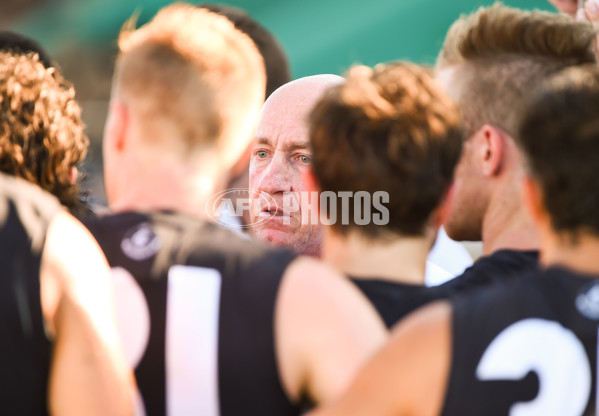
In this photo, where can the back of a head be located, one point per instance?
(190, 70)
(502, 52)
(21, 44)
(41, 133)
(275, 60)
(559, 133)
(387, 129)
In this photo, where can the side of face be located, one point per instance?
(470, 193)
(279, 158)
(467, 206)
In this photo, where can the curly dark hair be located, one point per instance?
(41, 132)
(388, 129)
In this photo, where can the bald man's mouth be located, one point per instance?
(276, 217)
(273, 211)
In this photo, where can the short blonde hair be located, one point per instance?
(192, 68)
(502, 52)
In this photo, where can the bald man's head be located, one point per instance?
(279, 157)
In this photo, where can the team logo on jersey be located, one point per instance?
(140, 243)
(587, 301)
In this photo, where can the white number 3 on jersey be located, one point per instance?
(554, 353)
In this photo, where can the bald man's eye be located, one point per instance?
(261, 154)
(305, 159)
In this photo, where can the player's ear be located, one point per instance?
(115, 131)
(492, 149)
(73, 175)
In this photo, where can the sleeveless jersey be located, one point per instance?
(395, 300)
(500, 266)
(25, 351)
(528, 347)
(196, 308)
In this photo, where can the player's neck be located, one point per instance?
(401, 260)
(579, 255)
(508, 226)
(166, 187)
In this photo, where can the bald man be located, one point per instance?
(279, 158)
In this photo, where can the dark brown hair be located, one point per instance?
(387, 129)
(21, 44)
(559, 134)
(41, 133)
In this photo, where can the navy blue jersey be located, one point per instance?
(196, 305)
(526, 347)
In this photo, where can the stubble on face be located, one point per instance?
(467, 207)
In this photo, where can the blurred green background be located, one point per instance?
(319, 36)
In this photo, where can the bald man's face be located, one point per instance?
(280, 156)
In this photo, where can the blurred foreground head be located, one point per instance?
(389, 129)
(41, 133)
(275, 59)
(21, 44)
(275, 64)
(559, 134)
(186, 92)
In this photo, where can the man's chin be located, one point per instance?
(274, 237)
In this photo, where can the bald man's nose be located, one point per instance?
(278, 176)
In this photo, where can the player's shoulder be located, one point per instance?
(28, 208)
(555, 294)
(20, 192)
(498, 267)
(190, 240)
(506, 301)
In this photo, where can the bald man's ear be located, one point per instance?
(310, 181)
